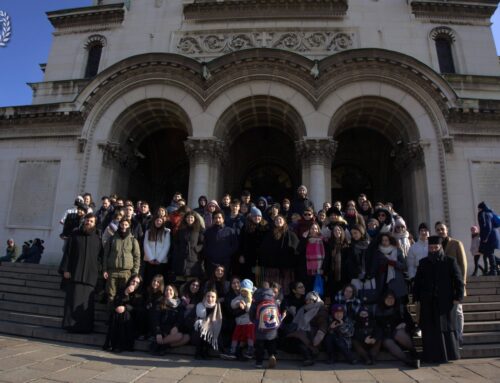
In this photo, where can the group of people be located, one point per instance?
(242, 277)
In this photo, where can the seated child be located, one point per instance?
(339, 335)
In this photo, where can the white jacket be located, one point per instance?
(417, 251)
(157, 250)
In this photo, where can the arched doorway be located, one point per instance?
(378, 154)
(259, 133)
(150, 135)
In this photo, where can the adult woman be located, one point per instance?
(162, 213)
(277, 254)
(167, 319)
(402, 236)
(384, 218)
(217, 282)
(187, 247)
(210, 209)
(291, 303)
(347, 298)
(156, 248)
(153, 296)
(228, 314)
(208, 325)
(396, 324)
(126, 317)
(311, 323)
(191, 295)
(312, 251)
(359, 264)
(366, 210)
(490, 238)
(389, 266)
(352, 216)
(336, 261)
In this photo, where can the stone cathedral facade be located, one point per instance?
(399, 99)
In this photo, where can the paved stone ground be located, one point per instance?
(27, 360)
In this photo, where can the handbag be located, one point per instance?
(367, 290)
(319, 285)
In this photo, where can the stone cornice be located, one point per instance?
(453, 9)
(40, 113)
(212, 10)
(87, 16)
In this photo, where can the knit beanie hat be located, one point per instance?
(254, 212)
(247, 284)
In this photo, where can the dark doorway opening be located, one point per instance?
(262, 160)
(364, 163)
(162, 169)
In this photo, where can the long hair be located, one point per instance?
(164, 304)
(393, 241)
(196, 226)
(156, 233)
(342, 241)
(279, 232)
(160, 278)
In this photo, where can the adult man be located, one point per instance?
(202, 203)
(225, 205)
(145, 217)
(489, 237)
(439, 288)
(455, 249)
(220, 246)
(301, 202)
(80, 270)
(135, 226)
(122, 258)
(174, 205)
(104, 214)
(418, 250)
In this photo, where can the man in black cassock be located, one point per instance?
(80, 268)
(439, 287)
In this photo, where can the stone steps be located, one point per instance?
(31, 305)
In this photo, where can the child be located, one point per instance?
(208, 324)
(339, 336)
(347, 298)
(245, 329)
(474, 249)
(265, 314)
(367, 336)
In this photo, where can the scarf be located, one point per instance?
(336, 264)
(404, 241)
(315, 254)
(359, 249)
(306, 314)
(211, 325)
(123, 234)
(391, 254)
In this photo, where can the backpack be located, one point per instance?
(268, 316)
(495, 221)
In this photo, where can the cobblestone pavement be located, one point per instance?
(27, 360)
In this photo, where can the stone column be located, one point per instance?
(206, 155)
(317, 155)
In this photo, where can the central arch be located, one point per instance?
(259, 134)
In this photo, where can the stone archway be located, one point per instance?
(380, 154)
(144, 157)
(259, 135)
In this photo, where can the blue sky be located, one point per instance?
(31, 39)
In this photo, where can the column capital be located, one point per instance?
(410, 154)
(204, 149)
(316, 150)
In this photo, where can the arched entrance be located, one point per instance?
(378, 154)
(152, 162)
(259, 133)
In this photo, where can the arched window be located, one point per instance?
(444, 38)
(94, 47)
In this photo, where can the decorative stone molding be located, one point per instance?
(211, 10)
(205, 149)
(453, 9)
(311, 42)
(409, 155)
(116, 154)
(446, 32)
(316, 150)
(95, 39)
(87, 16)
(82, 142)
(448, 144)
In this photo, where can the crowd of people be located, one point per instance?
(244, 277)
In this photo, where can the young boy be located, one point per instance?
(245, 329)
(340, 333)
(264, 312)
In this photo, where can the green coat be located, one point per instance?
(122, 254)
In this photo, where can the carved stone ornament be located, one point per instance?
(316, 150)
(409, 155)
(314, 42)
(448, 144)
(205, 149)
(115, 154)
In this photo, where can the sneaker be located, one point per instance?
(248, 354)
(272, 362)
(228, 356)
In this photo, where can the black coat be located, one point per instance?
(438, 283)
(186, 252)
(165, 319)
(251, 241)
(221, 243)
(300, 204)
(82, 257)
(279, 253)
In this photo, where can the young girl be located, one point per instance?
(339, 336)
(208, 325)
(245, 329)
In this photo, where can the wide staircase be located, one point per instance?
(31, 305)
